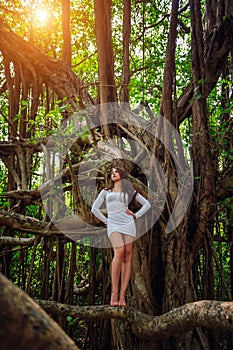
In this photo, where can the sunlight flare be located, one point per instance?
(41, 16)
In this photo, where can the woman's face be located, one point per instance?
(115, 175)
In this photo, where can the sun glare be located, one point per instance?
(41, 16)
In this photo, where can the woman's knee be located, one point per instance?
(127, 253)
(119, 252)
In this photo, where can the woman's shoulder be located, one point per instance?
(105, 191)
(108, 189)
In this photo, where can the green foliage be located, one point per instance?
(220, 121)
(32, 211)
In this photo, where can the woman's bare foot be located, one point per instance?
(122, 301)
(114, 299)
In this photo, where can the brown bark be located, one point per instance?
(178, 287)
(27, 224)
(202, 159)
(66, 50)
(20, 222)
(124, 94)
(107, 87)
(205, 313)
(24, 325)
(166, 108)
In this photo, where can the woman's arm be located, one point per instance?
(96, 207)
(144, 203)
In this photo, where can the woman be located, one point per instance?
(121, 228)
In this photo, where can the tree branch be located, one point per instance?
(72, 227)
(22, 222)
(14, 241)
(204, 313)
(65, 83)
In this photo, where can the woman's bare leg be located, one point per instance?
(118, 247)
(126, 268)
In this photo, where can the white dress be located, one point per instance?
(116, 205)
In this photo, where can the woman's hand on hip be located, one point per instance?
(129, 212)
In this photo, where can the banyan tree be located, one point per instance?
(146, 85)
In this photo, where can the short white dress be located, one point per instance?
(116, 205)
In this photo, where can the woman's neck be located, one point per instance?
(117, 186)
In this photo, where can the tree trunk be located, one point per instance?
(107, 87)
(24, 325)
(124, 94)
(66, 51)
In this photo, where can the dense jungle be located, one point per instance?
(86, 86)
